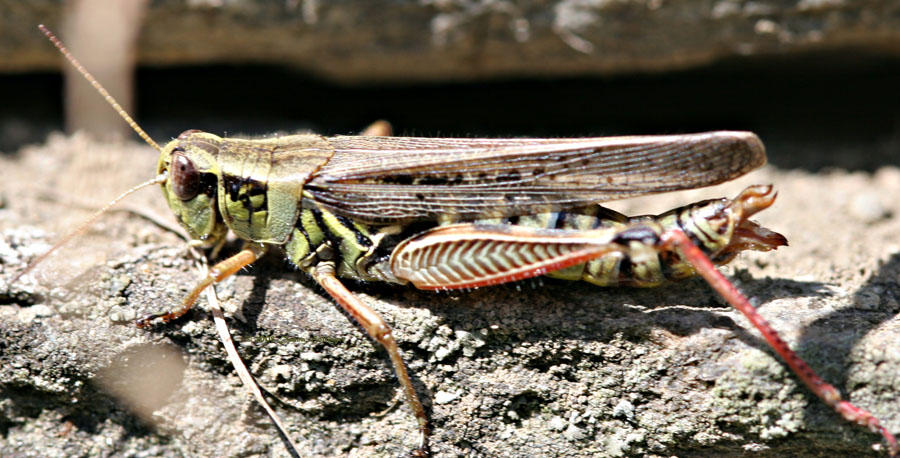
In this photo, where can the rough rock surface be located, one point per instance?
(547, 368)
(364, 40)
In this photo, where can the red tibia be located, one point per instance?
(823, 390)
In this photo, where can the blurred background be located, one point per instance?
(817, 79)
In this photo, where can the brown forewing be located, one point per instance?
(403, 179)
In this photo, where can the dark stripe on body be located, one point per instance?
(299, 226)
(361, 238)
(557, 219)
(626, 269)
(693, 237)
(233, 185)
(332, 238)
(666, 261)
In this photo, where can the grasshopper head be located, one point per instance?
(192, 173)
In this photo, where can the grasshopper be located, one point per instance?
(444, 214)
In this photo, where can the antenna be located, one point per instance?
(99, 87)
(159, 179)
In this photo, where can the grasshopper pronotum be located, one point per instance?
(463, 213)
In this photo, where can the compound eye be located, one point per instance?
(185, 178)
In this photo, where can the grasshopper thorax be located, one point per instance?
(192, 177)
(251, 187)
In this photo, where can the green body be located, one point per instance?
(256, 188)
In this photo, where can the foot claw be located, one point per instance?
(146, 320)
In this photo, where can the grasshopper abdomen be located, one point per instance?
(364, 252)
(593, 244)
